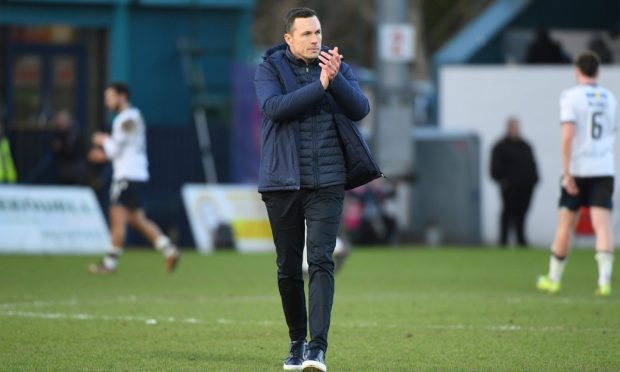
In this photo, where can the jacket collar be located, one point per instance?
(275, 51)
(282, 50)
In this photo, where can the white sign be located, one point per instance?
(237, 206)
(397, 42)
(39, 219)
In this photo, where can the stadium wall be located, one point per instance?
(480, 98)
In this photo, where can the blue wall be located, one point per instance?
(142, 45)
(156, 72)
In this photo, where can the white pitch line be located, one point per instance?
(232, 322)
(496, 328)
(83, 316)
(38, 303)
(130, 299)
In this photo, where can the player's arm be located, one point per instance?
(121, 135)
(112, 145)
(567, 119)
(497, 167)
(568, 182)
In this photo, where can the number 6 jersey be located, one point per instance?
(592, 109)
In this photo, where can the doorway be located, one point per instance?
(48, 70)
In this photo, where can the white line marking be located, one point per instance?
(39, 303)
(134, 298)
(498, 328)
(83, 316)
(269, 323)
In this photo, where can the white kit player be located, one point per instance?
(126, 148)
(588, 118)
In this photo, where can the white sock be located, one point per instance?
(161, 243)
(165, 246)
(110, 261)
(605, 266)
(170, 251)
(556, 268)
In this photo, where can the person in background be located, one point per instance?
(513, 167)
(8, 174)
(126, 148)
(68, 148)
(589, 118)
(599, 46)
(544, 50)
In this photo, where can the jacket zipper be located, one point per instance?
(315, 153)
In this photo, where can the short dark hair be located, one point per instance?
(588, 63)
(119, 88)
(295, 13)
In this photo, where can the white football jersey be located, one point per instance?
(126, 147)
(592, 109)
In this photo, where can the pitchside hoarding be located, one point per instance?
(41, 219)
(237, 207)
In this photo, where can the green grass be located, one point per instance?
(395, 310)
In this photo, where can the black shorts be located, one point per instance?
(593, 192)
(127, 194)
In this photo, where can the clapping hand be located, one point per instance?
(330, 65)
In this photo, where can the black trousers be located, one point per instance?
(289, 211)
(516, 200)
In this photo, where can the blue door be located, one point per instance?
(42, 81)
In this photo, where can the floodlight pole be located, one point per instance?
(392, 135)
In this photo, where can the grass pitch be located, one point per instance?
(395, 310)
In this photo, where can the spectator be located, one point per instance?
(598, 45)
(7, 168)
(513, 167)
(68, 148)
(544, 50)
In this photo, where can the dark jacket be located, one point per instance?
(512, 163)
(68, 147)
(282, 101)
(321, 163)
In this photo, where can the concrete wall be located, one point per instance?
(480, 98)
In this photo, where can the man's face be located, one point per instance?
(513, 130)
(62, 120)
(305, 38)
(112, 99)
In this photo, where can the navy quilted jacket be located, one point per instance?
(283, 101)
